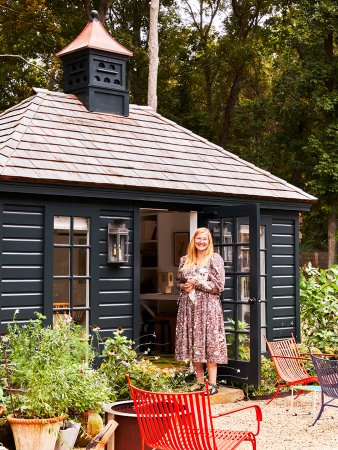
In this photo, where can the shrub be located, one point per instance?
(53, 367)
(120, 358)
(319, 307)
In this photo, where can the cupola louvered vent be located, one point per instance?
(95, 70)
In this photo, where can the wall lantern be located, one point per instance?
(118, 235)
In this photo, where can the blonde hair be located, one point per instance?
(191, 259)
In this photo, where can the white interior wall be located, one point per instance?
(169, 223)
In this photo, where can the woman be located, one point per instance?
(200, 335)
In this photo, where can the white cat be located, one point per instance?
(200, 277)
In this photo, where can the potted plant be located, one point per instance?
(121, 358)
(52, 368)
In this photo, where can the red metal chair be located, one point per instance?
(289, 365)
(183, 421)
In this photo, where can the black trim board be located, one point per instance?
(193, 200)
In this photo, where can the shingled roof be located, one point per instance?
(52, 138)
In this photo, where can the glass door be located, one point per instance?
(235, 232)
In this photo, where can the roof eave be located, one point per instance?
(58, 182)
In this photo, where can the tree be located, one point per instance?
(153, 54)
(309, 29)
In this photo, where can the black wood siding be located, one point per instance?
(115, 304)
(283, 298)
(26, 258)
(22, 262)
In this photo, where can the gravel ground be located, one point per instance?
(280, 430)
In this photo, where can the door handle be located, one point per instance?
(253, 301)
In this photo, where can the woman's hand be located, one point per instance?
(188, 286)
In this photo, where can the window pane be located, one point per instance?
(81, 231)
(244, 288)
(80, 292)
(262, 262)
(61, 261)
(262, 237)
(214, 227)
(243, 341)
(263, 288)
(80, 261)
(71, 261)
(60, 292)
(228, 230)
(228, 293)
(229, 314)
(244, 317)
(80, 318)
(230, 338)
(243, 231)
(244, 259)
(61, 230)
(263, 314)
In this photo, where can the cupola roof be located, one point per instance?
(95, 36)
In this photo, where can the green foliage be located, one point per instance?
(268, 379)
(53, 369)
(243, 339)
(319, 306)
(121, 359)
(258, 77)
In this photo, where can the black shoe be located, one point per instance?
(212, 389)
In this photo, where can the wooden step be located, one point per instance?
(226, 395)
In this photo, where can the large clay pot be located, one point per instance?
(127, 434)
(35, 434)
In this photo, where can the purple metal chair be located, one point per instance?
(327, 372)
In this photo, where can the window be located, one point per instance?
(71, 270)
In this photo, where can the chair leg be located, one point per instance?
(254, 444)
(275, 394)
(252, 439)
(319, 414)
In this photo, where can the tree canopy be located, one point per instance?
(258, 77)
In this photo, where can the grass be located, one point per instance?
(167, 360)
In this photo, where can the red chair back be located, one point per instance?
(175, 421)
(287, 359)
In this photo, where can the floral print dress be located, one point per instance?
(200, 335)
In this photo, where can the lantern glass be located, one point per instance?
(118, 236)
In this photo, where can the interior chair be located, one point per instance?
(183, 421)
(149, 328)
(327, 372)
(289, 365)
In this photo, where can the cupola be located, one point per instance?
(94, 67)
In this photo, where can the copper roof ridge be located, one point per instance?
(147, 107)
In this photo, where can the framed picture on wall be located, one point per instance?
(181, 241)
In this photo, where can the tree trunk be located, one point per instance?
(230, 107)
(153, 54)
(102, 9)
(330, 118)
(332, 243)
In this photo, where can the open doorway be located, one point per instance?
(164, 238)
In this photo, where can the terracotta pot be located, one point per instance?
(35, 434)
